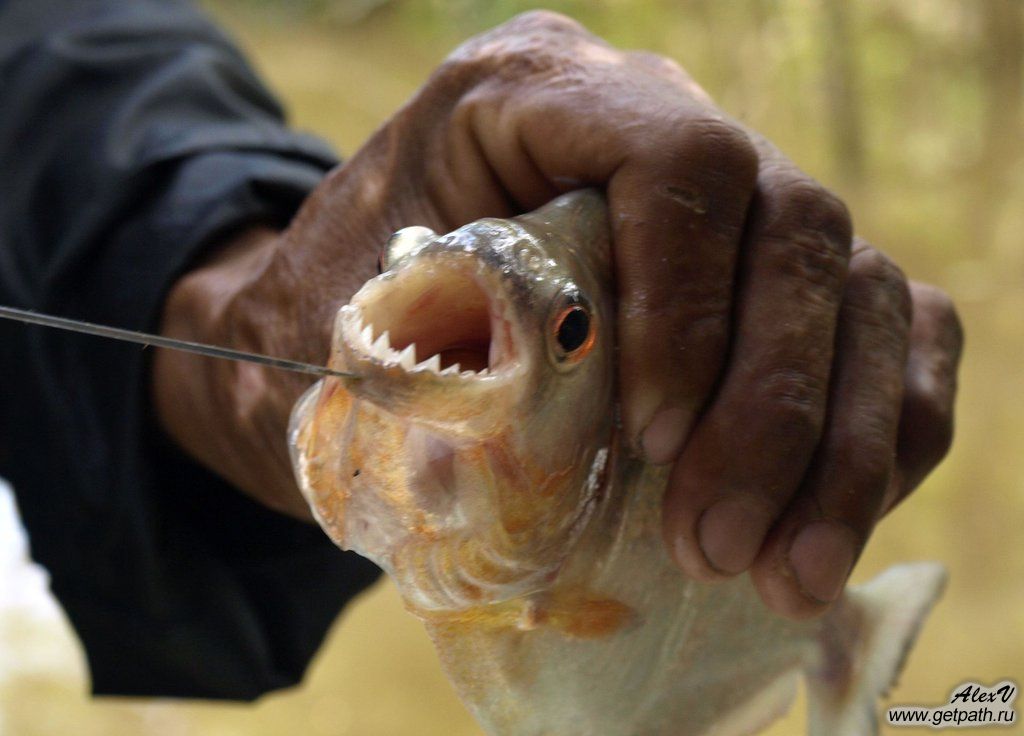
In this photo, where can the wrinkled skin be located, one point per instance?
(477, 459)
(788, 438)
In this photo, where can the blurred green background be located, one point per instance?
(910, 110)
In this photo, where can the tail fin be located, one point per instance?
(866, 639)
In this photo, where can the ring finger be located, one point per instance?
(806, 559)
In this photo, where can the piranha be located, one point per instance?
(478, 461)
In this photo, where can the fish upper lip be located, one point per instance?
(375, 324)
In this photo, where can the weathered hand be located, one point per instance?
(805, 464)
(756, 354)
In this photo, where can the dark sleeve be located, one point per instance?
(132, 135)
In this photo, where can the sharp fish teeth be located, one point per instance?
(452, 370)
(367, 336)
(382, 347)
(407, 358)
(433, 363)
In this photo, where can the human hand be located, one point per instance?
(746, 331)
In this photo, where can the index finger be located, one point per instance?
(679, 179)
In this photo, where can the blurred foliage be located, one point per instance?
(909, 109)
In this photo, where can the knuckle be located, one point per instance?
(665, 296)
(717, 146)
(811, 259)
(933, 298)
(705, 332)
(801, 204)
(931, 378)
(530, 43)
(794, 400)
(682, 318)
(805, 231)
(954, 330)
(463, 65)
(658, 63)
(876, 283)
(933, 421)
(708, 166)
(934, 304)
(875, 264)
(727, 138)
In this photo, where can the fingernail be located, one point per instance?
(730, 534)
(663, 438)
(821, 556)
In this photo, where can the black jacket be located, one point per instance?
(132, 135)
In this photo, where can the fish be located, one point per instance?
(480, 462)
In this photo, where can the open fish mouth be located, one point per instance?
(446, 317)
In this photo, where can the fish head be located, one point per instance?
(500, 315)
(485, 394)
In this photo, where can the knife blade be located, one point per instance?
(146, 339)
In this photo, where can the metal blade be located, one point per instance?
(142, 338)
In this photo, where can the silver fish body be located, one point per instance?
(498, 496)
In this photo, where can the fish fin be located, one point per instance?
(865, 641)
(581, 615)
(575, 614)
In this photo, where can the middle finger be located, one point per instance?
(750, 449)
(812, 548)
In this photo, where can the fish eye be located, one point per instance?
(572, 329)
